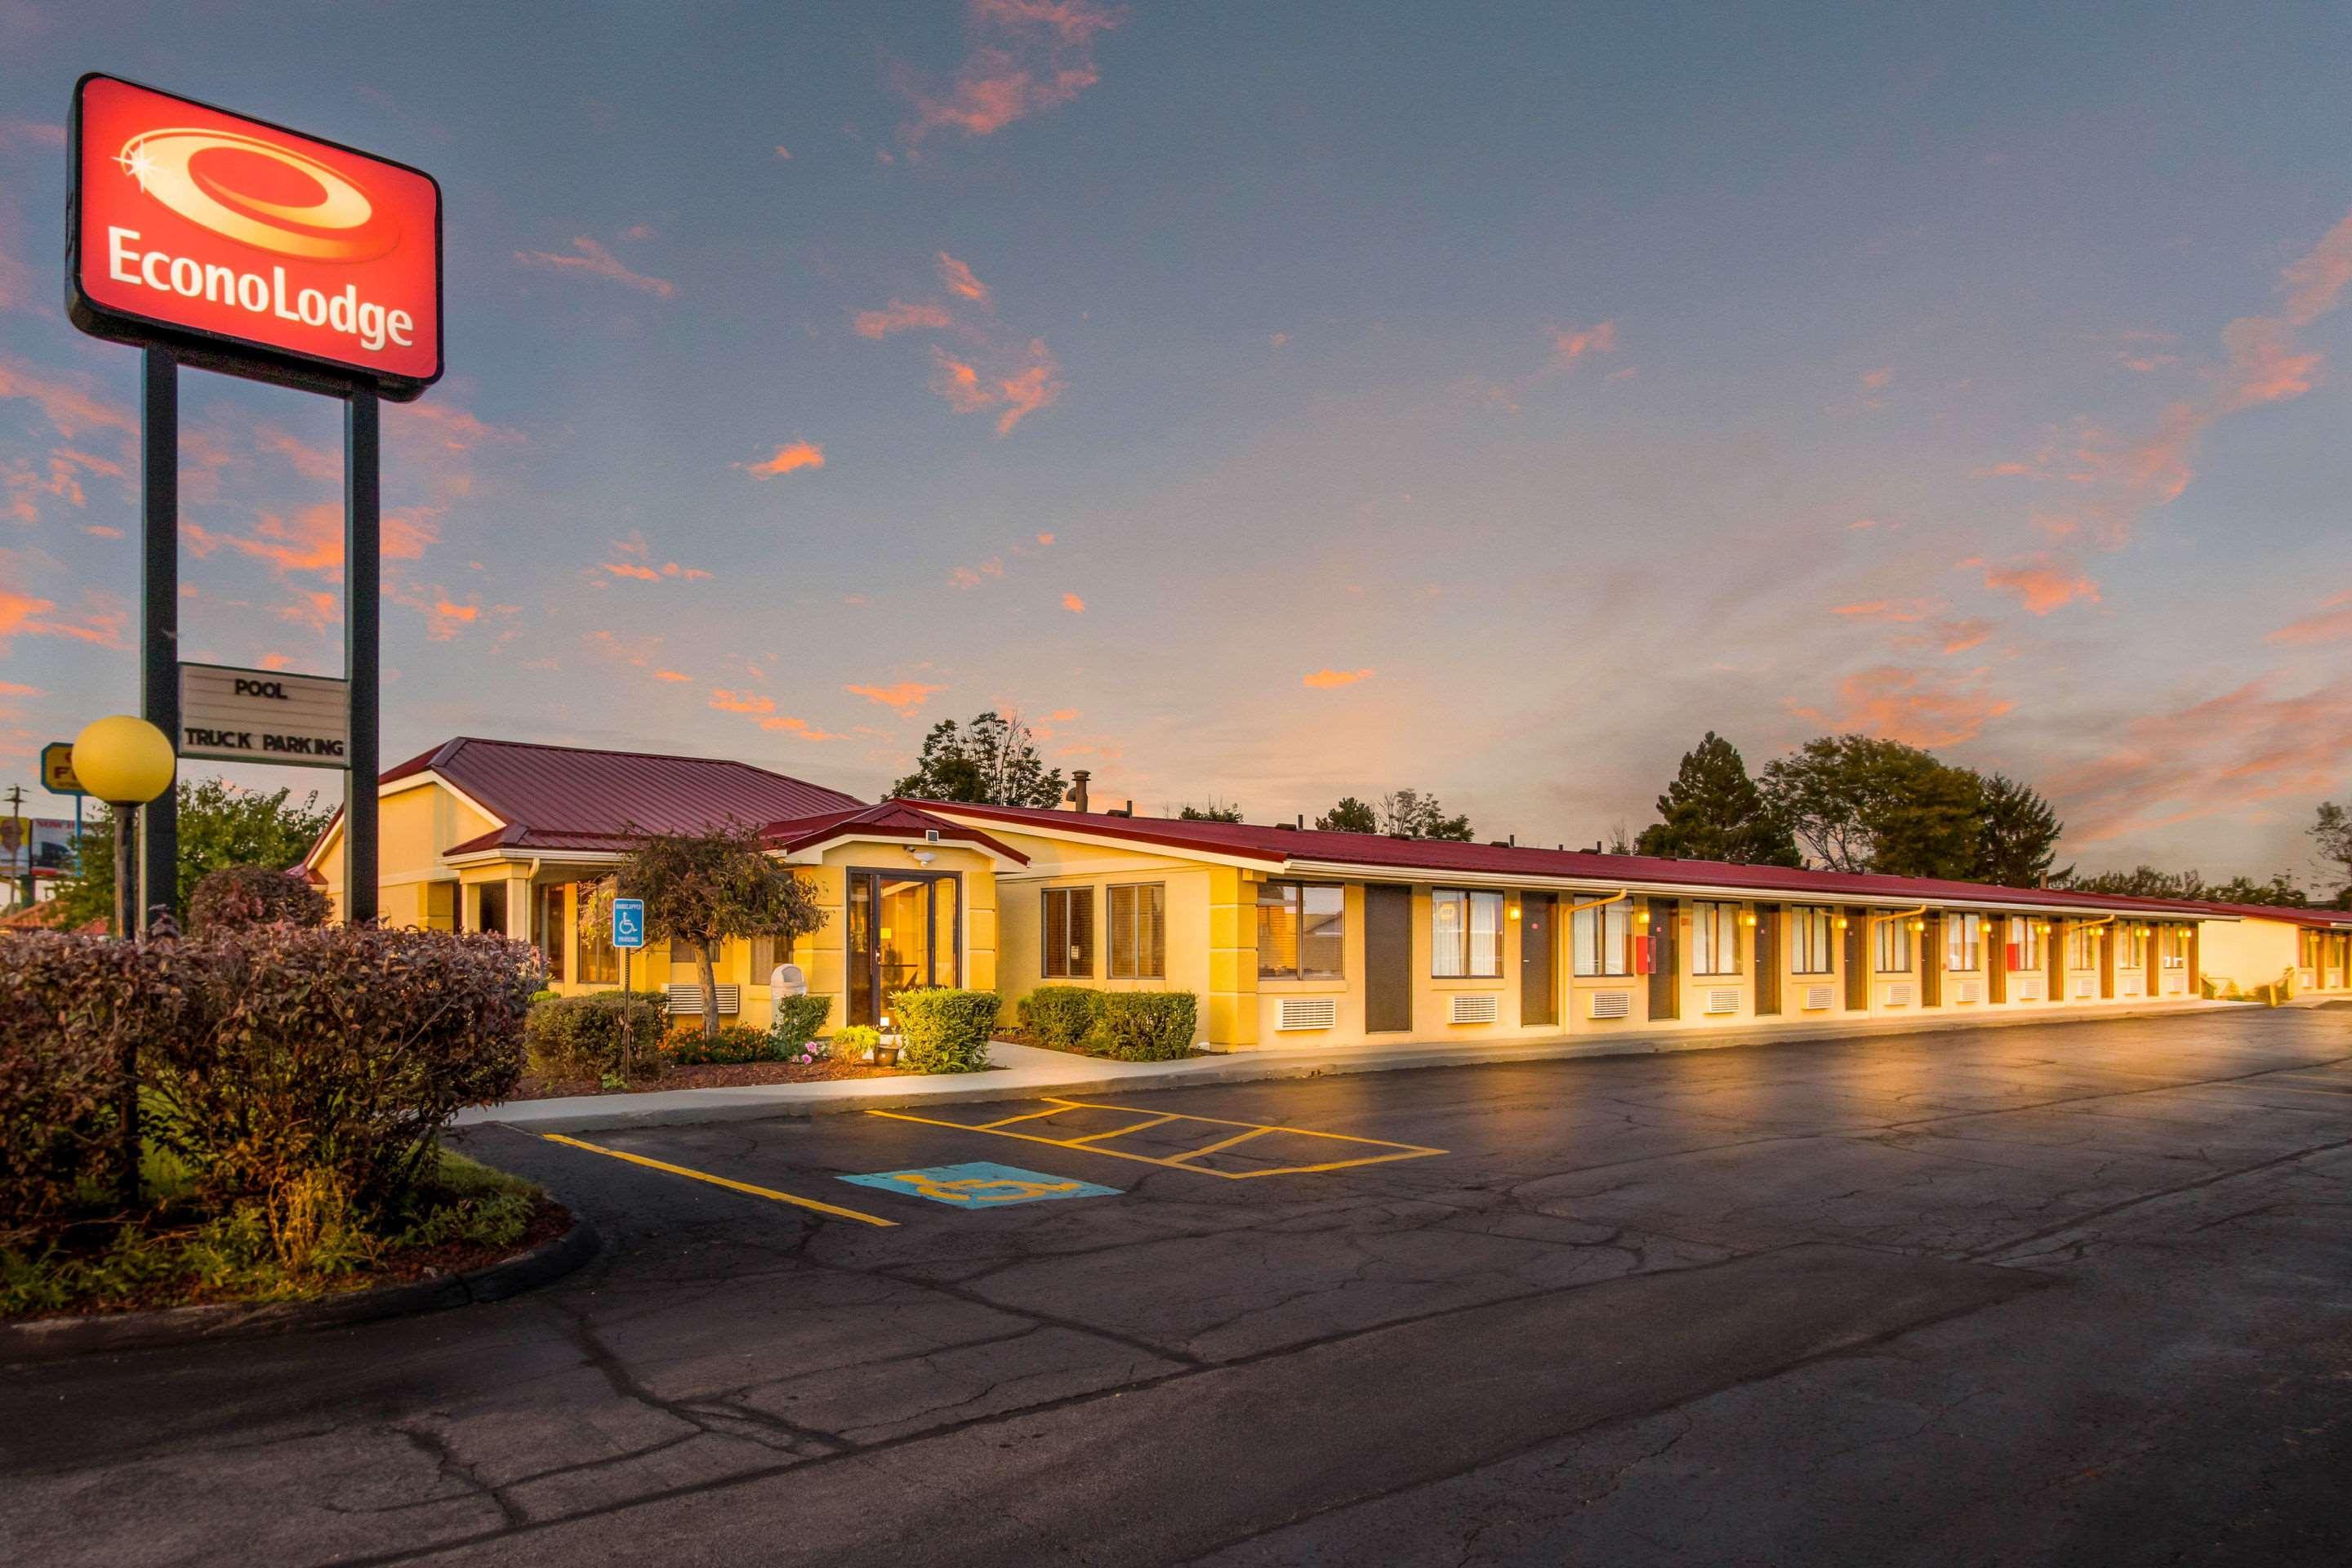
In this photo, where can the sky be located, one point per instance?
(1274, 402)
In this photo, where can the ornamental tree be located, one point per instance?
(700, 889)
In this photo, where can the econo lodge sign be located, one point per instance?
(266, 252)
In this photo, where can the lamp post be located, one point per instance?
(126, 762)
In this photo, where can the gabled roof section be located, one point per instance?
(896, 819)
(1433, 860)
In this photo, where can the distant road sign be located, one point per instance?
(629, 923)
(56, 770)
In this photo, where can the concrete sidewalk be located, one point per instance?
(1024, 1072)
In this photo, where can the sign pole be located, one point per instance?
(362, 586)
(159, 637)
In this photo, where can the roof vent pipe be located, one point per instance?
(1078, 778)
(1302, 822)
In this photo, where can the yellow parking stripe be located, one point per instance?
(833, 1209)
(1089, 1144)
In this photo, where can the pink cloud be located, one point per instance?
(1045, 538)
(1960, 636)
(1887, 609)
(727, 701)
(898, 316)
(2264, 367)
(1028, 56)
(1072, 604)
(312, 462)
(593, 260)
(1917, 707)
(798, 455)
(801, 728)
(2314, 283)
(1326, 678)
(316, 609)
(1877, 379)
(671, 675)
(2043, 582)
(973, 576)
(2222, 753)
(1569, 344)
(906, 696)
(2333, 623)
(444, 618)
(957, 279)
(1013, 396)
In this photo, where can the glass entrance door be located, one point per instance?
(903, 931)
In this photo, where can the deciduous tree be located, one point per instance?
(1349, 815)
(1215, 811)
(2332, 832)
(1408, 814)
(992, 761)
(221, 825)
(1859, 804)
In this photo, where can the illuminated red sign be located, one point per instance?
(249, 246)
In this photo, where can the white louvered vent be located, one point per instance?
(2134, 986)
(2082, 988)
(687, 999)
(1817, 998)
(2307, 979)
(1722, 999)
(2176, 984)
(1969, 991)
(1480, 1008)
(1898, 996)
(1613, 1005)
(2030, 990)
(1306, 1013)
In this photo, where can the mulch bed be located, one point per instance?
(733, 1076)
(549, 1220)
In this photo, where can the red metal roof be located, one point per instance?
(555, 798)
(1433, 860)
(891, 819)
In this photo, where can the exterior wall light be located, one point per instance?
(1515, 911)
(1747, 917)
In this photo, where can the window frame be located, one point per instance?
(1616, 913)
(1715, 924)
(1963, 942)
(1298, 907)
(1158, 959)
(1803, 937)
(1894, 933)
(1467, 950)
(2172, 947)
(2032, 951)
(1047, 950)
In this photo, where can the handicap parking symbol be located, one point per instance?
(981, 1185)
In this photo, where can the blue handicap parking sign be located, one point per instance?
(981, 1185)
(629, 923)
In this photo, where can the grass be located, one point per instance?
(302, 1243)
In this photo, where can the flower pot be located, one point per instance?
(886, 1055)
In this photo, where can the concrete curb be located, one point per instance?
(1085, 1076)
(44, 1338)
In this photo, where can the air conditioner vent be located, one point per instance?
(2134, 986)
(687, 1000)
(2082, 988)
(1969, 991)
(2030, 990)
(2176, 984)
(1478, 1007)
(2308, 979)
(1306, 1013)
(1723, 999)
(1898, 996)
(1818, 998)
(1613, 1005)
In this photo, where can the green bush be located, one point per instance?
(946, 1030)
(69, 1005)
(856, 1039)
(235, 897)
(686, 1045)
(797, 1021)
(1061, 1017)
(580, 1037)
(313, 1069)
(1145, 1025)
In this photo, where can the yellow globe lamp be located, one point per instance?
(123, 761)
(126, 762)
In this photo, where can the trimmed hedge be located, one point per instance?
(797, 1021)
(1062, 1017)
(236, 897)
(1145, 1026)
(580, 1037)
(289, 1067)
(945, 1030)
(686, 1045)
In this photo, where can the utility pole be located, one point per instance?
(18, 843)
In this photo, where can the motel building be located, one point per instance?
(1288, 936)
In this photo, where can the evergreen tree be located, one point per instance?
(1215, 811)
(2017, 833)
(1712, 811)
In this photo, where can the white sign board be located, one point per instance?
(264, 716)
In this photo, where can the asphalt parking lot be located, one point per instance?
(2073, 1293)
